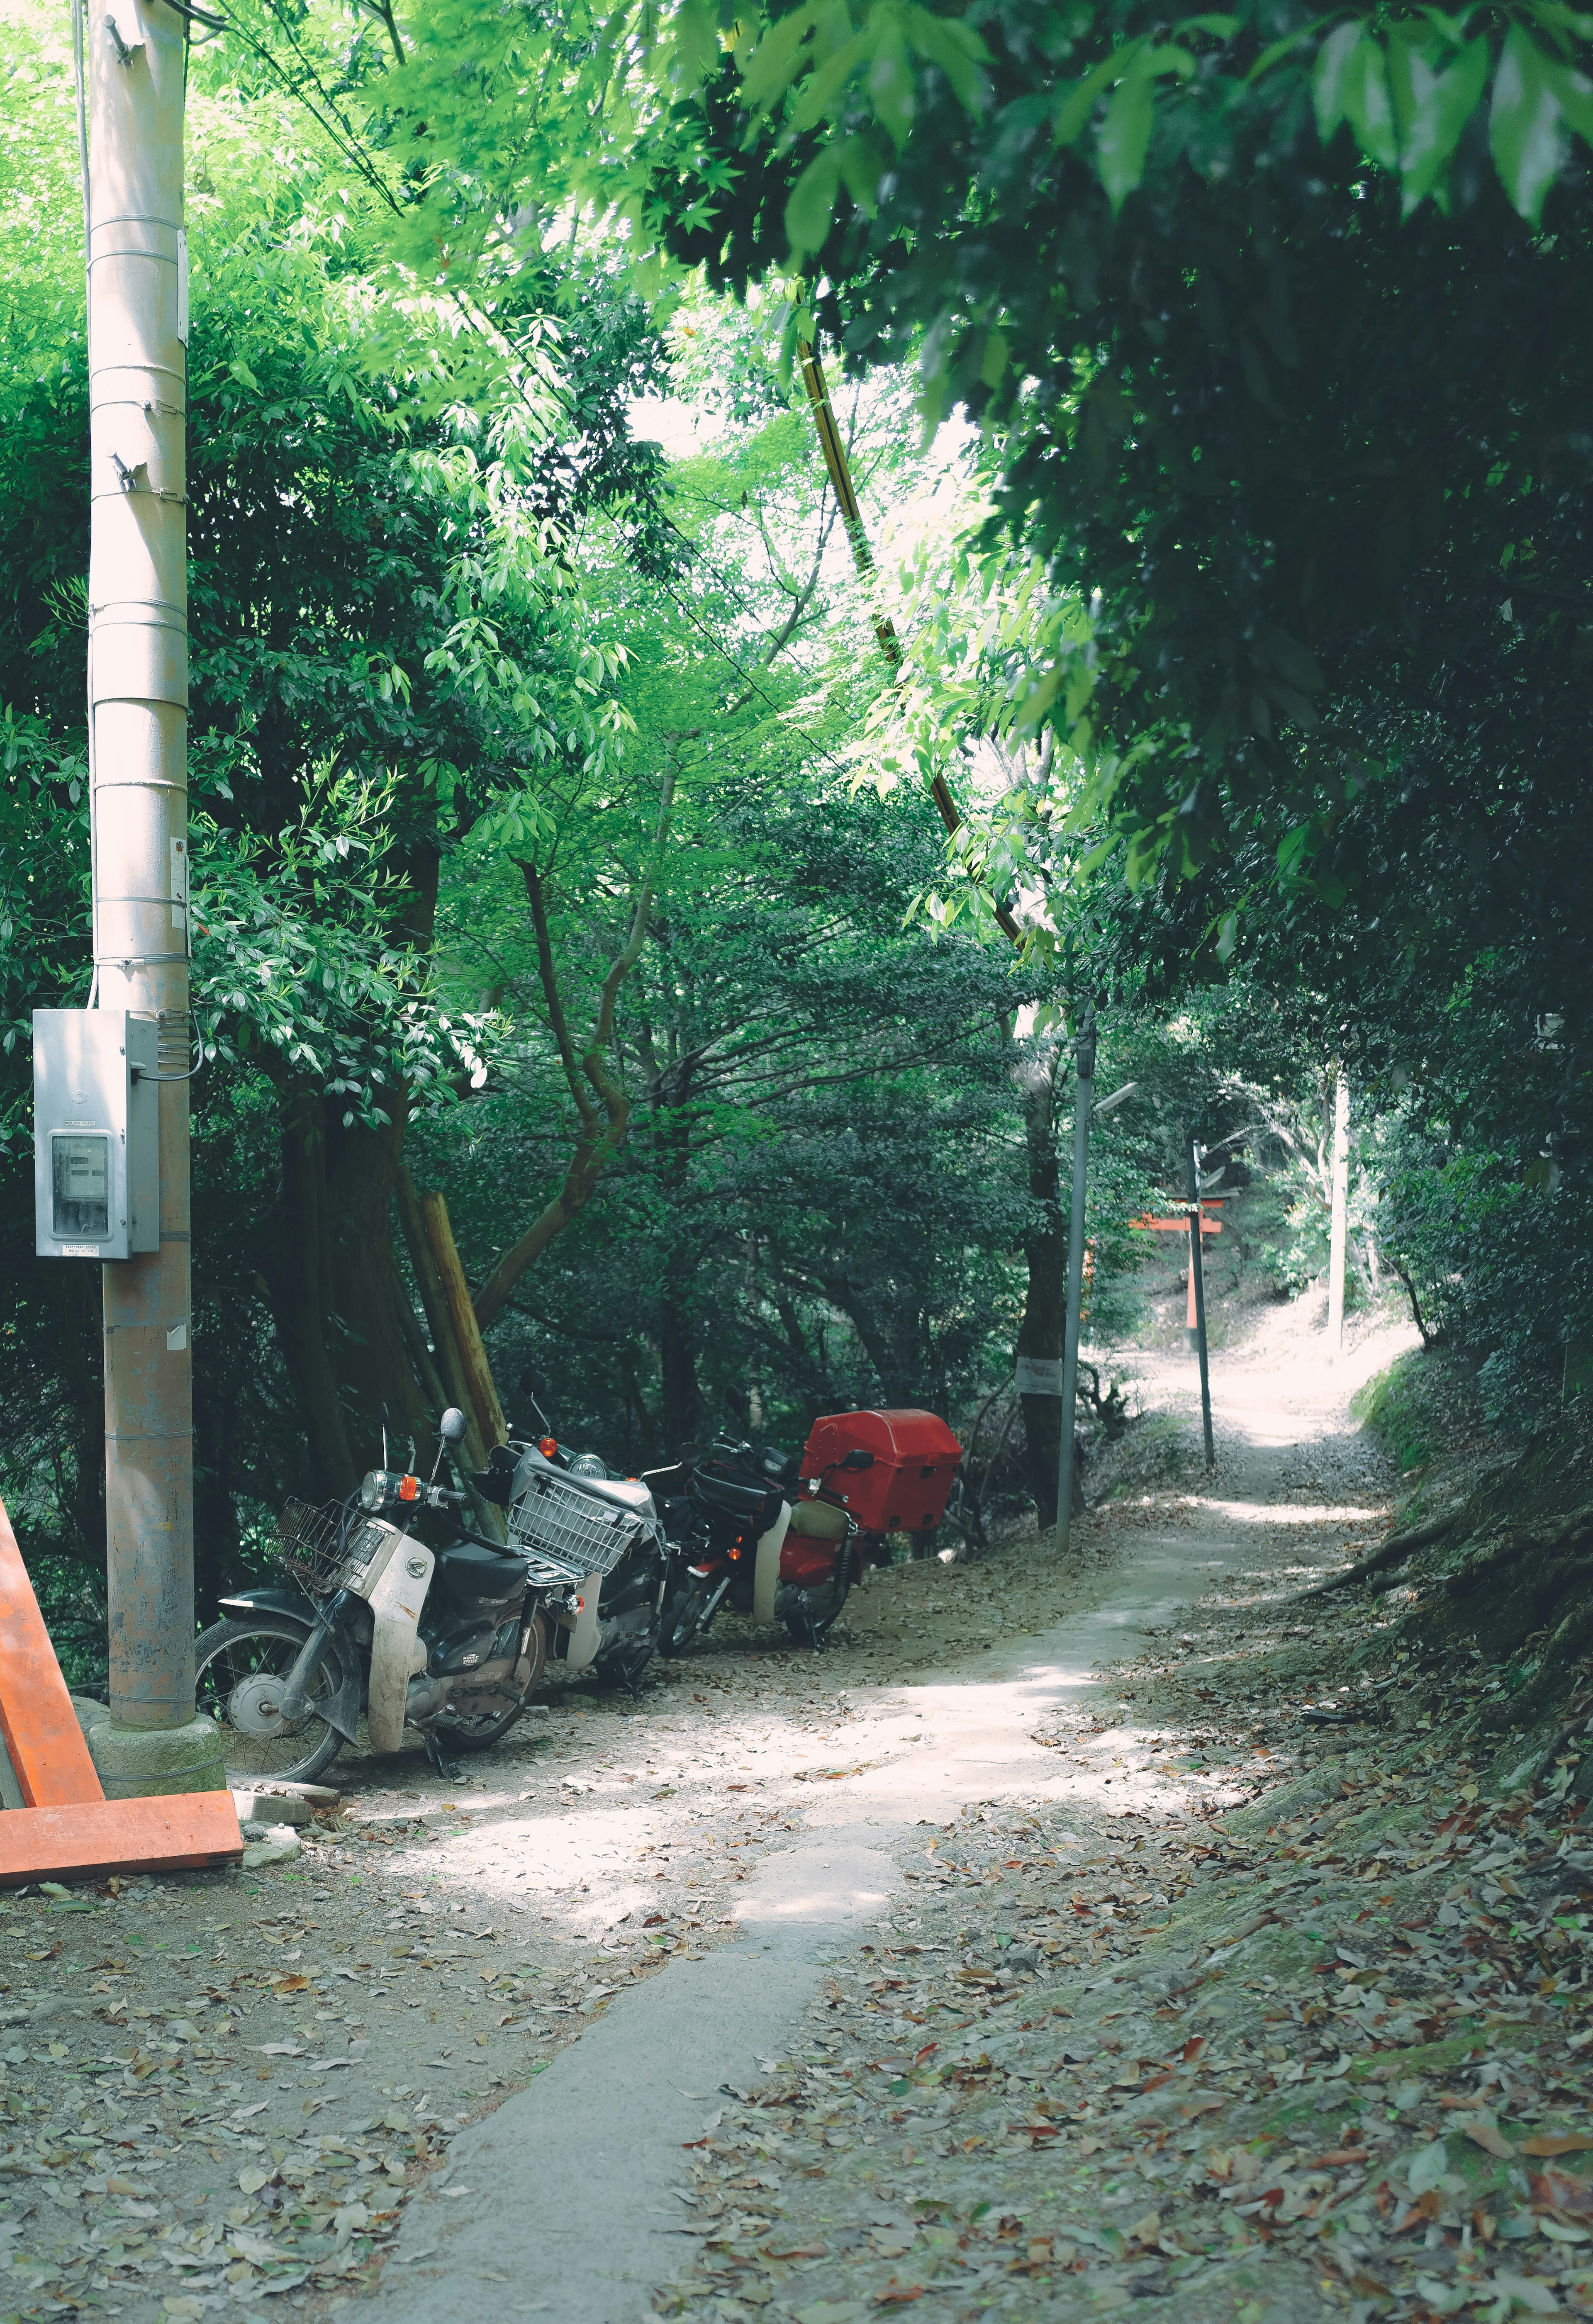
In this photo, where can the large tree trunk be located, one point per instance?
(297, 1269)
(335, 1287)
(680, 1397)
(1045, 1248)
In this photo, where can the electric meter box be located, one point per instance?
(96, 1165)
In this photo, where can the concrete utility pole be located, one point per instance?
(1339, 1233)
(132, 60)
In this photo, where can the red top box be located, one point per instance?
(915, 1458)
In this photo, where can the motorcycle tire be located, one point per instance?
(481, 1733)
(234, 1663)
(478, 1734)
(811, 1624)
(682, 1619)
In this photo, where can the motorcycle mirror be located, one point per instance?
(450, 1430)
(857, 1458)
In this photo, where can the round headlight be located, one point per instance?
(374, 1491)
(586, 1464)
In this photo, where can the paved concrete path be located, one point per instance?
(566, 2190)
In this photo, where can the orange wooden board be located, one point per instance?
(94, 1836)
(1175, 1226)
(39, 1726)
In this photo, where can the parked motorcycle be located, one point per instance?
(743, 1532)
(452, 1642)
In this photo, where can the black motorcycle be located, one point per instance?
(452, 1642)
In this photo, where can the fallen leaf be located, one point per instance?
(898, 2295)
(1565, 2142)
(1488, 2135)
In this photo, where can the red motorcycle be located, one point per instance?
(783, 1540)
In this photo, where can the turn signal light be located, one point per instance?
(735, 1556)
(408, 1488)
(547, 1446)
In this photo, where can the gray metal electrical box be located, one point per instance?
(96, 1163)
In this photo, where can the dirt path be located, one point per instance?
(239, 2086)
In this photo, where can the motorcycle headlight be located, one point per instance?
(588, 1464)
(373, 1492)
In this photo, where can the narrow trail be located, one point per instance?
(570, 2184)
(461, 2042)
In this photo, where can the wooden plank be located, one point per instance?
(43, 1737)
(1175, 1226)
(191, 1830)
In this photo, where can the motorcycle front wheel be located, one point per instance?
(240, 1673)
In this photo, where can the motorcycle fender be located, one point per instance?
(582, 1643)
(343, 1712)
(271, 1601)
(765, 1571)
(395, 1603)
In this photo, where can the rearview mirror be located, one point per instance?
(857, 1458)
(452, 1428)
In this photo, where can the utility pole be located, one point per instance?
(1083, 1097)
(1339, 1234)
(132, 63)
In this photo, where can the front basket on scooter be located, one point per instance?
(326, 1548)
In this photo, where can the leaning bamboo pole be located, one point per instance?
(833, 446)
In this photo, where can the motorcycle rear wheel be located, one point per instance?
(682, 1619)
(481, 1732)
(811, 1622)
(236, 1663)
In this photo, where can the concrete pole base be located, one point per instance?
(141, 1763)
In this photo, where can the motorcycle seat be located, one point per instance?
(819, 1520)
(469, 1573)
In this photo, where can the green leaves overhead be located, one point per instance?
(1405, 82)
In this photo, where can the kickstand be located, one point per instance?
(434, 1752)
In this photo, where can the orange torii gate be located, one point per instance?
(1181, 1226)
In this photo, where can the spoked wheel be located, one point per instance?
(241, 1673)
(813, 1617)
(682, 1619)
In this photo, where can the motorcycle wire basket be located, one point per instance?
(572, 1533)
(324, 1549)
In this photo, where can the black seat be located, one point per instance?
(472, 1575)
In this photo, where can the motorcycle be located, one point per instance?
(736, 1538)
(452, 1642)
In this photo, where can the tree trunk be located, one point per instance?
(329, 1265)
(1045, 1249)
(680, 1397)
(297, 1269)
